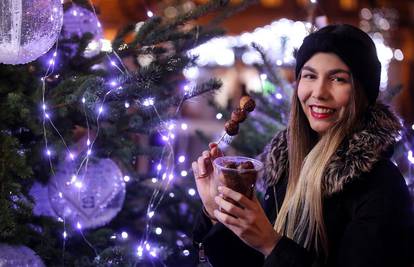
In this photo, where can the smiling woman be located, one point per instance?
(333, 197)
(324, 90)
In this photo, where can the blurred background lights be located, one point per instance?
(191, 192)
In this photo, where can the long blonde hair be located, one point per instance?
(301, 215)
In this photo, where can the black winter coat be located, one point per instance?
(367, 208)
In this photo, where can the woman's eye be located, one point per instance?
(308, 76)
(339, 79)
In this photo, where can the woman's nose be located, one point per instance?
(320, 90)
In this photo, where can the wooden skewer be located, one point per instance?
(221, 138)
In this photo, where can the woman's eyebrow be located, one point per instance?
(330, 72)
(335, 71)
(309, 69)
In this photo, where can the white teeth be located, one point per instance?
(322, 110)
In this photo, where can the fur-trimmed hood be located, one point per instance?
(355, 156)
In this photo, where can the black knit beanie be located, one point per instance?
(355, 48)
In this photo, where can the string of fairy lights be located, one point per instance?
(165, 167)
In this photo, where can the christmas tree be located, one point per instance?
(89, 172)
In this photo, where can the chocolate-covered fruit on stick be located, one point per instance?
(246, 105)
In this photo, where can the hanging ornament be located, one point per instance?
(28, 29)
(91, 198)
(76, 22)
(42, 205)
(18, 256)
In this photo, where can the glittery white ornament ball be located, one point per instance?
(18, 256)
(77, 21)
(28, 29)
(92, 198)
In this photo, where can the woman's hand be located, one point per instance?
(249, 221)
(203, 173)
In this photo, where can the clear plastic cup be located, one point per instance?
(239, 179)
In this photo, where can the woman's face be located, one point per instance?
(324, 90)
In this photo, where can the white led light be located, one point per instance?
(139, 251)
(127, 178)
(158, 230)
(124, 235)
(184, 173)
(410, 157)
(184, 126)
(78, 184)
(181, 159)
(148, 102)
(219, 116)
